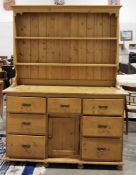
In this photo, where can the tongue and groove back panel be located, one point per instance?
(66, 47)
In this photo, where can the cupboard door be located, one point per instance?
(63, 137)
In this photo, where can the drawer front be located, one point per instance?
(102, 126)
(97, 149)
(29, 147)
(32, 124)
(103, 106)
(64, 105)
(26, 104)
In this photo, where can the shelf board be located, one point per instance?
(66, 64)
(66, 38)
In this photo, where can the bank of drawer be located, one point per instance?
(29, 147)
(102, 126)
(64, 105)
(101, 149)
(32, 124)
(103, 106)
(26, 104)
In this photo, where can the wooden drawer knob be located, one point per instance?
(101, 149)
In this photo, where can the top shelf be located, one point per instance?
(67, 8)
(67, 38)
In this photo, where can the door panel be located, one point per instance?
(63, 137)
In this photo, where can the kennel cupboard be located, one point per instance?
(65, 106)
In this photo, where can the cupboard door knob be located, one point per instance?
(49, 137)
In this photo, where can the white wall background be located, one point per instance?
(127, 19)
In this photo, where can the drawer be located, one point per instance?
(33, 124)
(102, 126)
(26, 104)
(64, 105)
(98, 149)
(103, 106)
(29, 147)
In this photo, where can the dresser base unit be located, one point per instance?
(80, 164)
(71, 125)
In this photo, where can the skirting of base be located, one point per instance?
(65, 160)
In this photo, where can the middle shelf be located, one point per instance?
(66, 64)
(65, 38)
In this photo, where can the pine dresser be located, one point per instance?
(64, 106)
